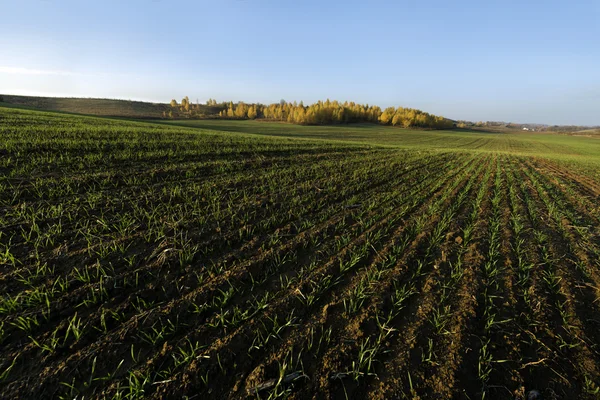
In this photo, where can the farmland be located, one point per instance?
(228, 259)
(100, 107)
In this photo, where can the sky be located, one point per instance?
(515, 61)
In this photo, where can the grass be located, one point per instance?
(555, 146)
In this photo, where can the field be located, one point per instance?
(102, 107)
(251, 260)
(585, 149)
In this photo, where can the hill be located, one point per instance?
(320, 113)
(100, 107)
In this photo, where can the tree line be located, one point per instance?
(319, 113)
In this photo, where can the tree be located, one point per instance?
(321, 112)
(185, 104)
(386, 117)
(241, 111)
(252, 112)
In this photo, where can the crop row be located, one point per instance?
(154, 262)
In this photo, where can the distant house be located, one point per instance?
(526, 129)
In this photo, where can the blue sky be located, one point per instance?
(521, 61)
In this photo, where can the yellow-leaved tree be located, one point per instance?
(252, 112)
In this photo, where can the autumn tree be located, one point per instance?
(241, 110)
(252, 112)
(185, 104)
(324, 112)
(387, 115)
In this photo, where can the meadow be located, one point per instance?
(581, 150)
(244, 259)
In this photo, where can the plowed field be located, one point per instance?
(140, 260)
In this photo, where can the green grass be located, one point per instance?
(563, 148)
(584, 149)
